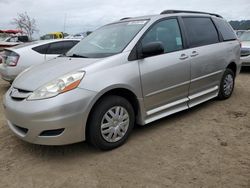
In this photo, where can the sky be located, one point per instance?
(83, 15)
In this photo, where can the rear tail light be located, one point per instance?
(1, 57)
(240, 43)
(10, 58)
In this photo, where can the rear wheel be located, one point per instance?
(110, 122)
(227, 84)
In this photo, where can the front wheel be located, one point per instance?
(110, 122)
(227, 84)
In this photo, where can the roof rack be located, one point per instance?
(187, 11)
(125, 18)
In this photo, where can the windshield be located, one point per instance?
(245, 36)
(108, 40)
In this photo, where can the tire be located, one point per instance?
(105, 131)
(226, 85)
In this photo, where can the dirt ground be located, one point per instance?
(207, 146)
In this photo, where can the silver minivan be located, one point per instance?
(135, 70)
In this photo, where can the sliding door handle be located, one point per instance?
(194, 53)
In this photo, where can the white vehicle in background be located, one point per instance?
(16, 59)
(240, 32)
(10, 38)
(8, 42)
(79, 35)
(245, 48)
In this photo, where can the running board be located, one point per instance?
(181, 104)
(166, 110)
(164, 107)
(203, 96)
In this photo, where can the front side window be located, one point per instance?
(108, 40)
(200, 31)
(168, 33)
(13, 39)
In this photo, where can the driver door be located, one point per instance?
(165, 78)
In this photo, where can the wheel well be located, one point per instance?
(127, 94)
(233, 67)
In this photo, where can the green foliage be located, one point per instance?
(240, 25)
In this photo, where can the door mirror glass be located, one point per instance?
(152, 48)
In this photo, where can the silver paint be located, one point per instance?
(163, 85)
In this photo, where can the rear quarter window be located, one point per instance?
(60, 47)
(225, 29)
(41, 49)
(200, 31)
(75, 42)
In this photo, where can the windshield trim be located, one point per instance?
(128, 20)
(147, 20)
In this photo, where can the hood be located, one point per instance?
(39, 75)
(245, 44)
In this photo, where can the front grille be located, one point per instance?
(19, 94)
(54, 132)
(17, 99)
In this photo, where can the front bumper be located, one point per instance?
(66, 112)
(245, 60)
(8, 73)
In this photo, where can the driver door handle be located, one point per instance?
(183, 57)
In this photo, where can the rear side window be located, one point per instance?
(200, 31)
(60, 47)
(225, 29)
(41, 49)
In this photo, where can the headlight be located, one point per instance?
(60, 85)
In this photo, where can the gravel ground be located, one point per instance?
(207, 146)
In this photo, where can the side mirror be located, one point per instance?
(152, 48)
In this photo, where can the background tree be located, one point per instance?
(240, 25)
(25, 23)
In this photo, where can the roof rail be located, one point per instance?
(187, 11)
(125, 18)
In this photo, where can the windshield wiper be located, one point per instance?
(77, 55)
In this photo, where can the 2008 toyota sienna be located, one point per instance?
(135, 70)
